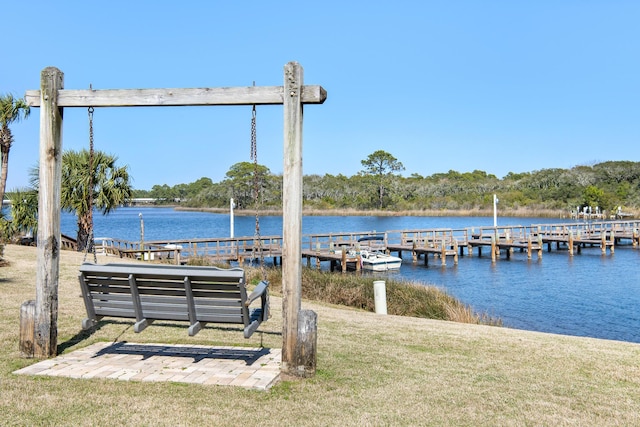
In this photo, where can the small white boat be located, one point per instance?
(379, 261)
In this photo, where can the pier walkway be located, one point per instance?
(342, 250)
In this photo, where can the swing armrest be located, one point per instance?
(260, 289)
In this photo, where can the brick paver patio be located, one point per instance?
(254, 368)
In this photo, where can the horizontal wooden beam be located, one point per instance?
(251, 95)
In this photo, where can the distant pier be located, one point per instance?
(443, 245)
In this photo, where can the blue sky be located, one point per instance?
(495, 85)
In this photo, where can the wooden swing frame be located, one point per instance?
(52, 98)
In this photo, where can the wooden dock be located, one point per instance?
(342, 250)
(216, 250)
(505, 239)
(439, 243)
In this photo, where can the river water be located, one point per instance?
(589, 294)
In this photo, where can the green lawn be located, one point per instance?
(372, 370)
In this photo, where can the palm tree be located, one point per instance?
(24, 214)
(11, 110)
(108, 186)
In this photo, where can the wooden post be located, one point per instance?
(540, 246)
(613, 241)
(414, 254)
(571, 243)
(493, 248)
(455, 251)
(48, 253)
(307, 343)
(27, 328)
(291, 215)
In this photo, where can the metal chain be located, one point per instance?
(256, 189)
(91, 243)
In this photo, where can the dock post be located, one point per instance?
(493, 248)
(414, 254)
(570, 243)
(455, 252)
(612, 239)
(540, 246)
(443, 253)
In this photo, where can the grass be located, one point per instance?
(403, 298)
(372, 370)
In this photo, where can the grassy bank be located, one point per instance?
(403, 298)
(372, 370)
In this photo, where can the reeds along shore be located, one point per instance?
(403, 298)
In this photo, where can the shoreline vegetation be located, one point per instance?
(606, 187)
(371, 370)
(404, 298)
(523, 212)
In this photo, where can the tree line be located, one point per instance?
(379, 186)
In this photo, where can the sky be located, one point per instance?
(495, 85)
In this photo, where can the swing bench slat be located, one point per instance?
(198, 295)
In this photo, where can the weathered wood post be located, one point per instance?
(27, 327)
(48, 253)
(455, 250)
(292, 226)
(570, 242)
(540, 245)
(613, 241)
(493, 248)
(306, 354)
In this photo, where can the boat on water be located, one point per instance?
(374, 256)
(372, 253)
(379, 261)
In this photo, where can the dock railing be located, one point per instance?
(182, 250)
(436, 242)
(332, 242)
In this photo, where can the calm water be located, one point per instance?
(588, 295)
